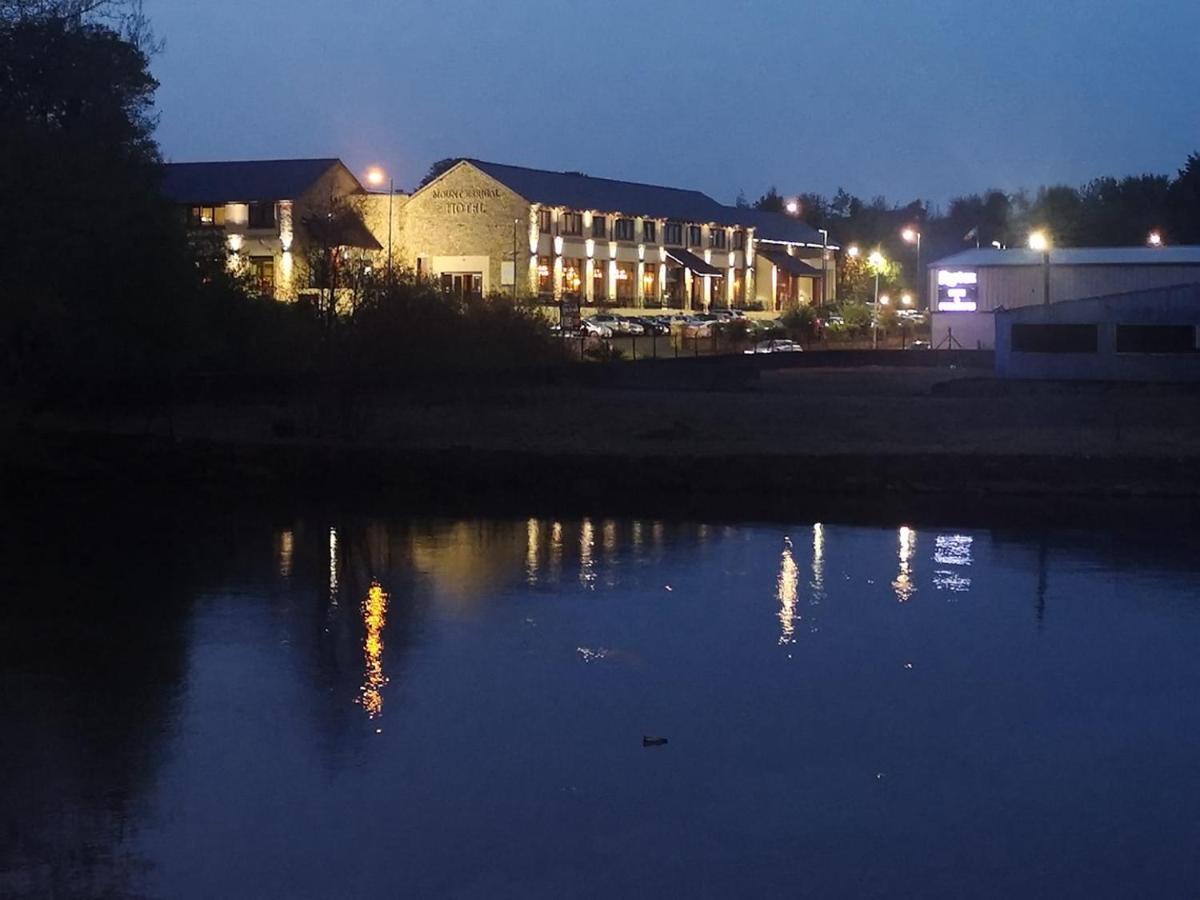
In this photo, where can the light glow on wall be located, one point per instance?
(590, 245)
(558, 245)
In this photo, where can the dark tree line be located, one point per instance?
(1106, 211)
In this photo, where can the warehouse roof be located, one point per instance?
(1074, 256)
(243, 180)
(578, 191)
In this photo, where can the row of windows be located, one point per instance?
(261, 215)
(1085, 339)
(571, 225)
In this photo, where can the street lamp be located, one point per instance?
(1155, 239)
(375, 178)
(912, 236)
(824, 266)
(1040, 241)
(877, 262)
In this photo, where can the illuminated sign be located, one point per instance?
(957, 291)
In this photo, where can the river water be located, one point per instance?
(329, 706)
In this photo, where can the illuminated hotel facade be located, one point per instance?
(485, 228)
(481, 226)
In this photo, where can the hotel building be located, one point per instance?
(485, 228)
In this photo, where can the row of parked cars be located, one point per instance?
(608, 325)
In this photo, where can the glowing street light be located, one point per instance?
(884, 300)
(852, 251)
(906, 299)
(912, 236)
(877, 261)
(376, 177)
(1040, 241)
(1155, 239)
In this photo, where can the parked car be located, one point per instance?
(651, 325)
(614, 323)
(595, 329)
(919, 345)
(777, 345)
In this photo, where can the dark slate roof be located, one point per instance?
(242, 181)
(690, 260)
(780, 258)
(771, 226)
(580, 191)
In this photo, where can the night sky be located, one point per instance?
(908, 98)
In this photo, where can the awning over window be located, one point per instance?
(780, 259)
(690, 260)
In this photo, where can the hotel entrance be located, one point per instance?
(462, 284)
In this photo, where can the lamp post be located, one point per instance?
(914, 237)
(1040, 241)
(877, 262)
(1154, 239)
(375, 177)
(824, 266)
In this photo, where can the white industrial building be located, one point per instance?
(967, 288)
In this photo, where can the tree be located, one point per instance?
(97, 257)
(438, 169)
(771, 201)
(1184, 203)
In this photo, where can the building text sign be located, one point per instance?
(466, 201)
(957, 291)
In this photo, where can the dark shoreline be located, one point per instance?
(930, 488)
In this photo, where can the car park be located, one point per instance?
(775, 345)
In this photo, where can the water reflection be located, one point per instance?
(904, 585)
(374, 612)
(952, 550)
(787, 590)
(587, 566)
(818, 562)
(334, 581)
(532, 546)
(287, 546)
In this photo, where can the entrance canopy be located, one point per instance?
(690, 260)
(782, 260)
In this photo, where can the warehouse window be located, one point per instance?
(1054, 338)
(572, 223)
(673, 234)
(649, 231)
(600, 227)
(1156, 339)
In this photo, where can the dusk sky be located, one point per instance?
(909, 98)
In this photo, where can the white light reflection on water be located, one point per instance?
(287, 547)
(818, 563)
(904, 585)
(556, 550)
(334, 585)
(787, 590)
(587, 565)
(952, 550)
(533, 534)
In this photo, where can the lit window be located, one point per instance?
(572, 223)
(545, 272)
(626, 279)
(206, 217)
(572, 275)
(262, 272)
(599, 281)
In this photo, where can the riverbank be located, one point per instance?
(864, 435)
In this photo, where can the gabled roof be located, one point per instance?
(242, 181)
(578, 191)
(1074, 256)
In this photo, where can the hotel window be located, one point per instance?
(572, 223)
(624, 230)
(694, 235)
(673, 234)
(649, 231)
(545, 273)
(626, 277)
(545, 221)
(739, 240)
(599, 281)
(650, 285)
(206, 217)
(262, 271)
(572, 275)
(262, 215)
(716, 238)
(600, 227)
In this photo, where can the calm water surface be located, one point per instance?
(336, 707)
